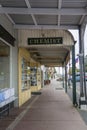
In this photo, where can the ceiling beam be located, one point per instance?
(59, 7)
(52, 63)
(51, 58)
(28, 5)
(59, 4)
(81, 20)
(20, 26)
(84, 21)
(57, 63)
(44, 11)
(48, 50)
(11, 20)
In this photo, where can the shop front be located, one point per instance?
(29, 76)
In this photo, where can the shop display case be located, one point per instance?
(25, 74)
(33, 76)
(39, 76)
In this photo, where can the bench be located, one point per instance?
(7, 96)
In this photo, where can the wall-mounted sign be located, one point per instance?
(44, 40)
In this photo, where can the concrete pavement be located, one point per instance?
(52, 110)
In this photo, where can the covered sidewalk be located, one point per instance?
(52, 110)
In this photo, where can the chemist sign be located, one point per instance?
(44, 40)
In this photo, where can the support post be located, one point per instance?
(63, 75)
(65, 78)
(81, 62)
(83, 96)
(73, 76)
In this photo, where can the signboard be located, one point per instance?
(44, 40)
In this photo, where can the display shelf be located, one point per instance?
(33, 77)
(39, 76)
(25, 74)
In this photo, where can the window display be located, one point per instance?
(33, 76)
(25, 77)
(39, 76)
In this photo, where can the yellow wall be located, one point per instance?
(26, 94)
(35, 88)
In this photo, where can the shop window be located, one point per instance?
(33, 76)
(4, 65)
(25, 75)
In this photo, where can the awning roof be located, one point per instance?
(49, 14)
(45, 14)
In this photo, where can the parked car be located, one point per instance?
(59, 79)
(78, 77)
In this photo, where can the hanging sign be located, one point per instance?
(42, 41)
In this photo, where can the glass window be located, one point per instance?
(25, 77)
(33, 76)
(4, 65)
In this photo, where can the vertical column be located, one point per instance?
(73, 76)
(81, 61)
(82, 66)
(65, 78)
(63, 75)
(69, 81)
